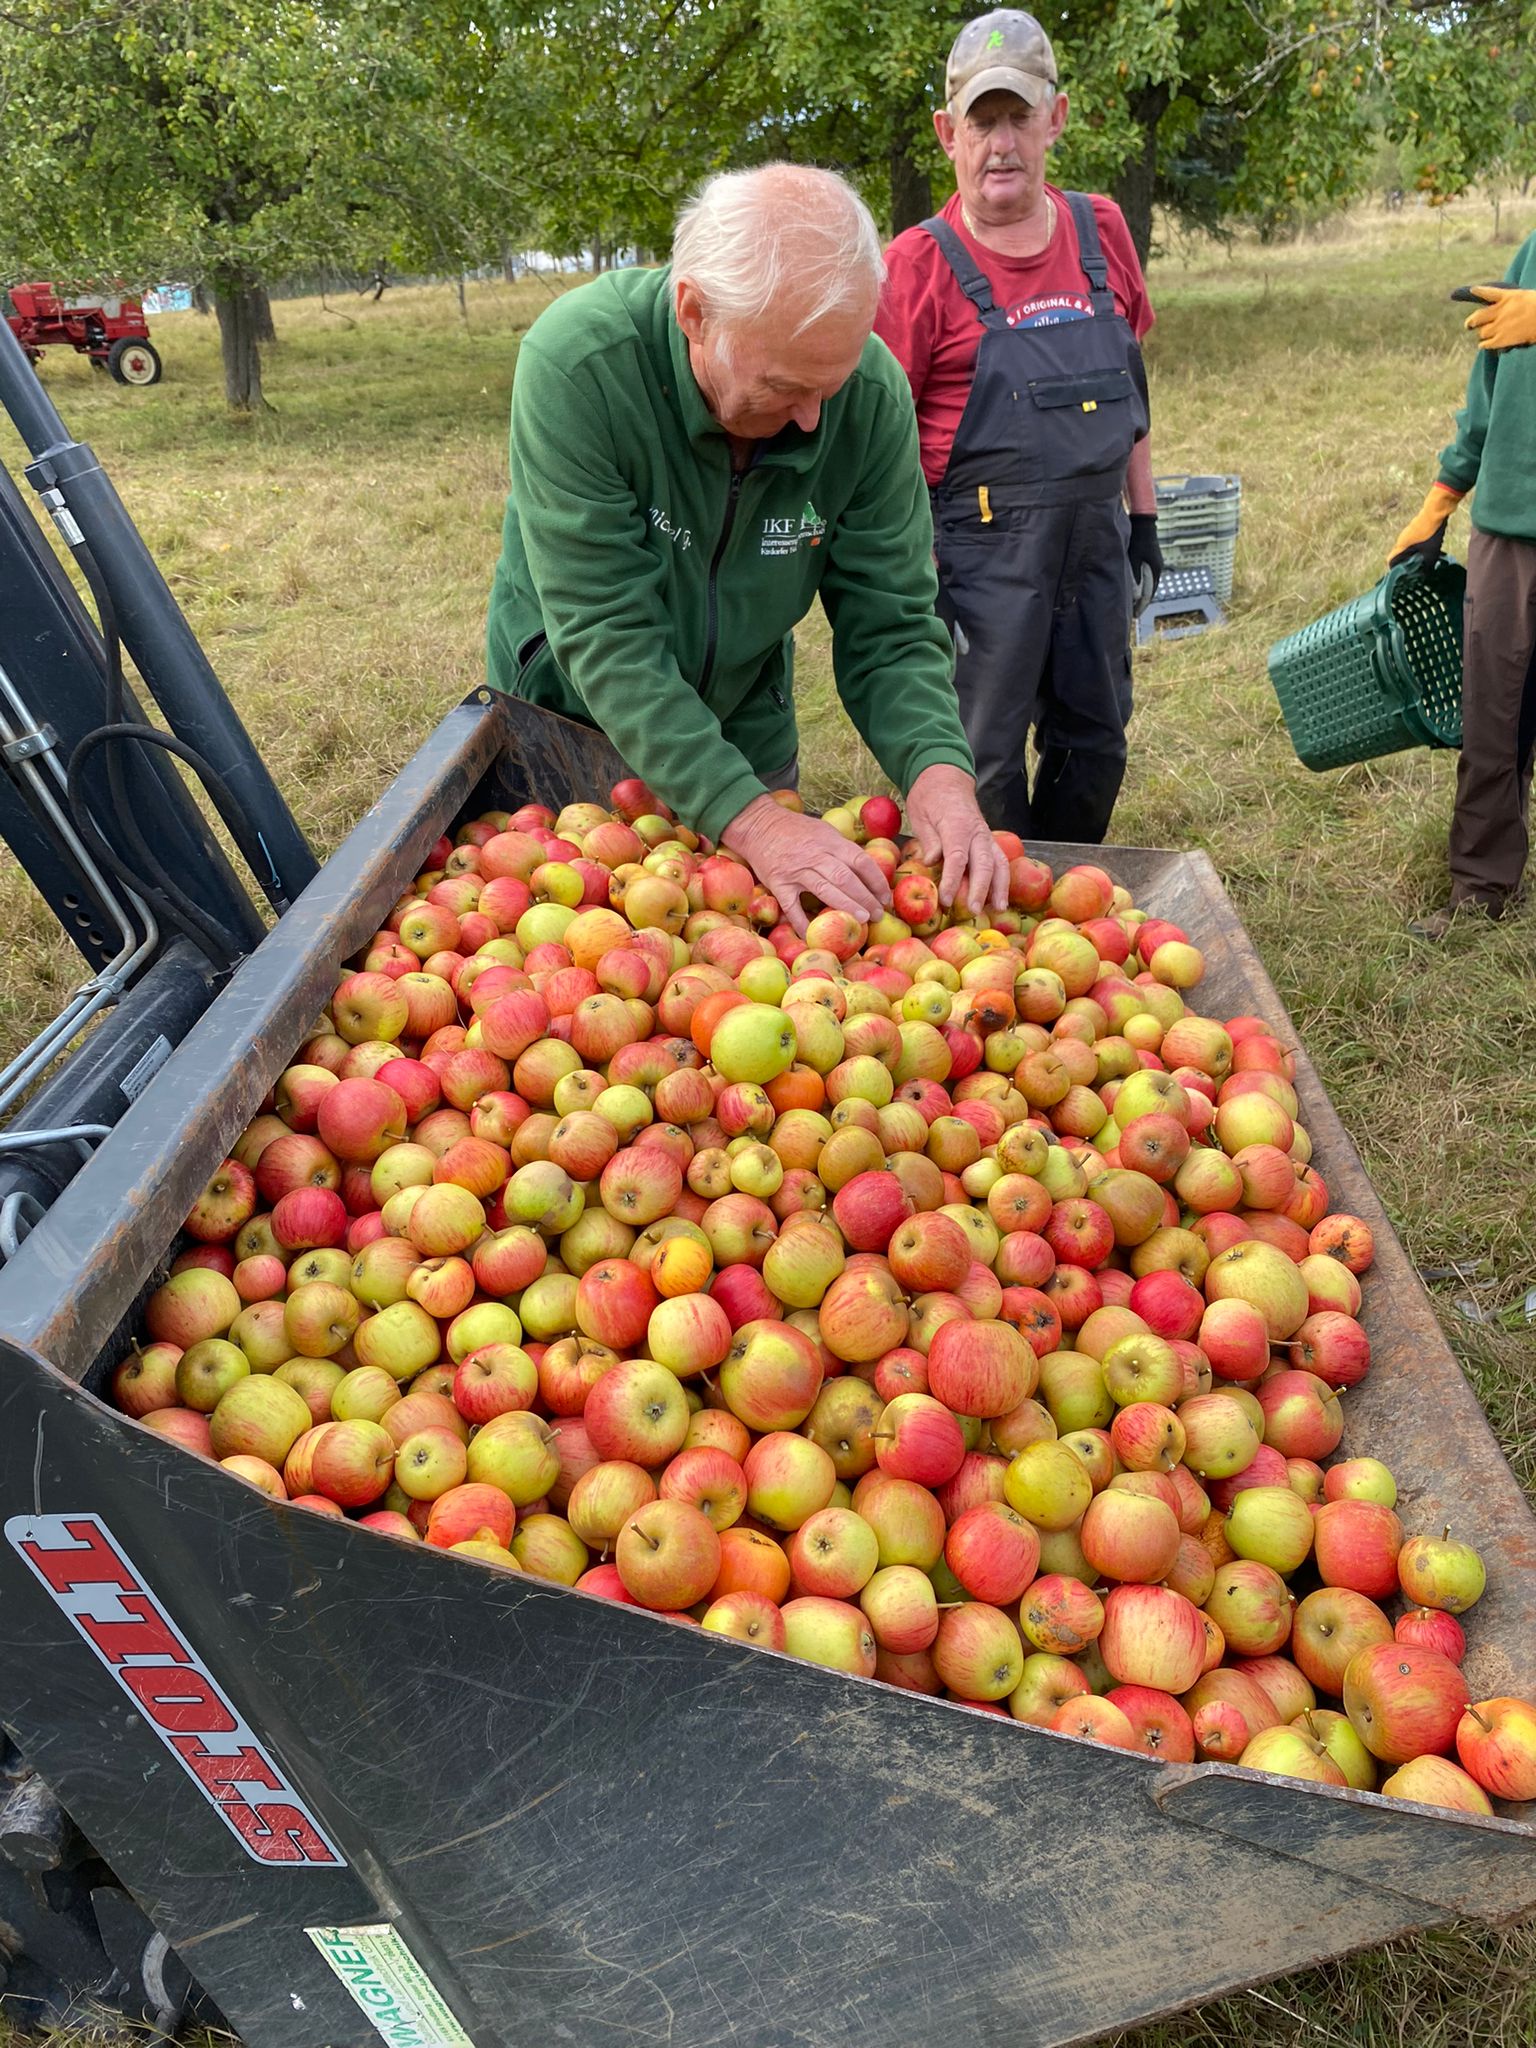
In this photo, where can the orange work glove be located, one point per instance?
(1507, 319)
(1425, 532)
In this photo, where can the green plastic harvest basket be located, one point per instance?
(1379, 674)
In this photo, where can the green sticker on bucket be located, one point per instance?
(390, 1986)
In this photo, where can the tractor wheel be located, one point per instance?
(133, 362)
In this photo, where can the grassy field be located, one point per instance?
(334, 559)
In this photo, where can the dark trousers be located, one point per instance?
(1490, 827)
(1039, 604)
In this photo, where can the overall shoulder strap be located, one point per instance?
(1090, 250)
(968, 274)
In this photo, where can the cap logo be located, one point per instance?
(995, 40)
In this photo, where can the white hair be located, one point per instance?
(781, 236)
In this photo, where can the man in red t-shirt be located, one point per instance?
(1017, 314)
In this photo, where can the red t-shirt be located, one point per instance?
(931, 327)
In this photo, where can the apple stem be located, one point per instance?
(1486, 1726)
(1445, 1533)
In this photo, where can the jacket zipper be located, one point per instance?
(711, 609)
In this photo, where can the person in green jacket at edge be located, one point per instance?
(1494, 452)
(697, 452)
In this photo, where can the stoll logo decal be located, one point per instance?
(81, 1567)
(788, 536)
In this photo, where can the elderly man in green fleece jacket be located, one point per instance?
(697, 453)
(1493, 454)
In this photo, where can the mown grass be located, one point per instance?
(334, 558)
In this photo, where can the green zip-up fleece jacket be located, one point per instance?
(645, 590)
(1495, 445)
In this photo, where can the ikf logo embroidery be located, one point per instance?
(788, 536)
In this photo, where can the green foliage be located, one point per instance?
(226, 138)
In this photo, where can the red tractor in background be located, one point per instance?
(109, 327)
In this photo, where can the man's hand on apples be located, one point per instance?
(790, 854)
(943, 817)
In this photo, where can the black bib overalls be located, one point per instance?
(1030, 536)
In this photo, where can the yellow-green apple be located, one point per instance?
(1272, 1525)
(901, 1608)
(402, 1339)
(1434, 1781)
(1265, 1278)
(365, 1394)
(1360, 1479)
(315, 1381)
(1330, 1285)
(1292, 1753)
(1046, 1683)
(206, 1371)
(1251, 1604)
(540, 1194)
(1434, 1571)
(1048, 1485)
(258, 1417)
(517, 1452)
(1141, 1367)
(690, 1334)
(382, 1270)
(833, 1633)
(1336, 1732)
(789, 1479)
(843, 1420)
(548, 1547)
(907, 1520)
(604, 1498)
(1073, 1390)
(429, 1462)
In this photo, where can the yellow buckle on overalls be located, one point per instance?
(1090, 405)
(984, 500)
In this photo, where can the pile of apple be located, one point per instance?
(943, 1302)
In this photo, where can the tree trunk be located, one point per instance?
(463, 302)
(201, 303)
(597, 255)
(508, 265)
(911, 186)
(235, 301)
(1137, 180)
(261, 317)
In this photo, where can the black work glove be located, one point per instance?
(1146, 559)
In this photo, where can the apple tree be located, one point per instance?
(229, 141)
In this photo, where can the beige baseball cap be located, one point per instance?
(1005, 51)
